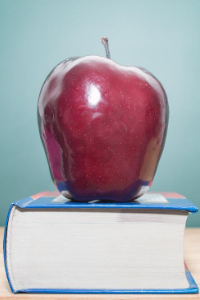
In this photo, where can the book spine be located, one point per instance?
(4, 247)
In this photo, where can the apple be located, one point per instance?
(103, 127)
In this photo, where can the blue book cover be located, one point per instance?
(53, 200)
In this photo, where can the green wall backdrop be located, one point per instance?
(35, 35)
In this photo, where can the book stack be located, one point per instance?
(54, 245)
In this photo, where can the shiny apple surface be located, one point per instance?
(103, 127)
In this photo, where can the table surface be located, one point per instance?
(192, 258)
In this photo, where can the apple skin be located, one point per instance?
(103, 127)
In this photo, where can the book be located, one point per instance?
(55, 245)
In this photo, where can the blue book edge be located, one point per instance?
(46, 202)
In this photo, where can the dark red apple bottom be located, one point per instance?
(103, 127)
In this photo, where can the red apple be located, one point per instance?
(103, 127)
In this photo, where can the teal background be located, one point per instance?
(161, 36)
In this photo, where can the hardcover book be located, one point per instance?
(55, 245)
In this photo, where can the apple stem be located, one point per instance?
(104, 41)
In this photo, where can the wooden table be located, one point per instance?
(192, 258)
